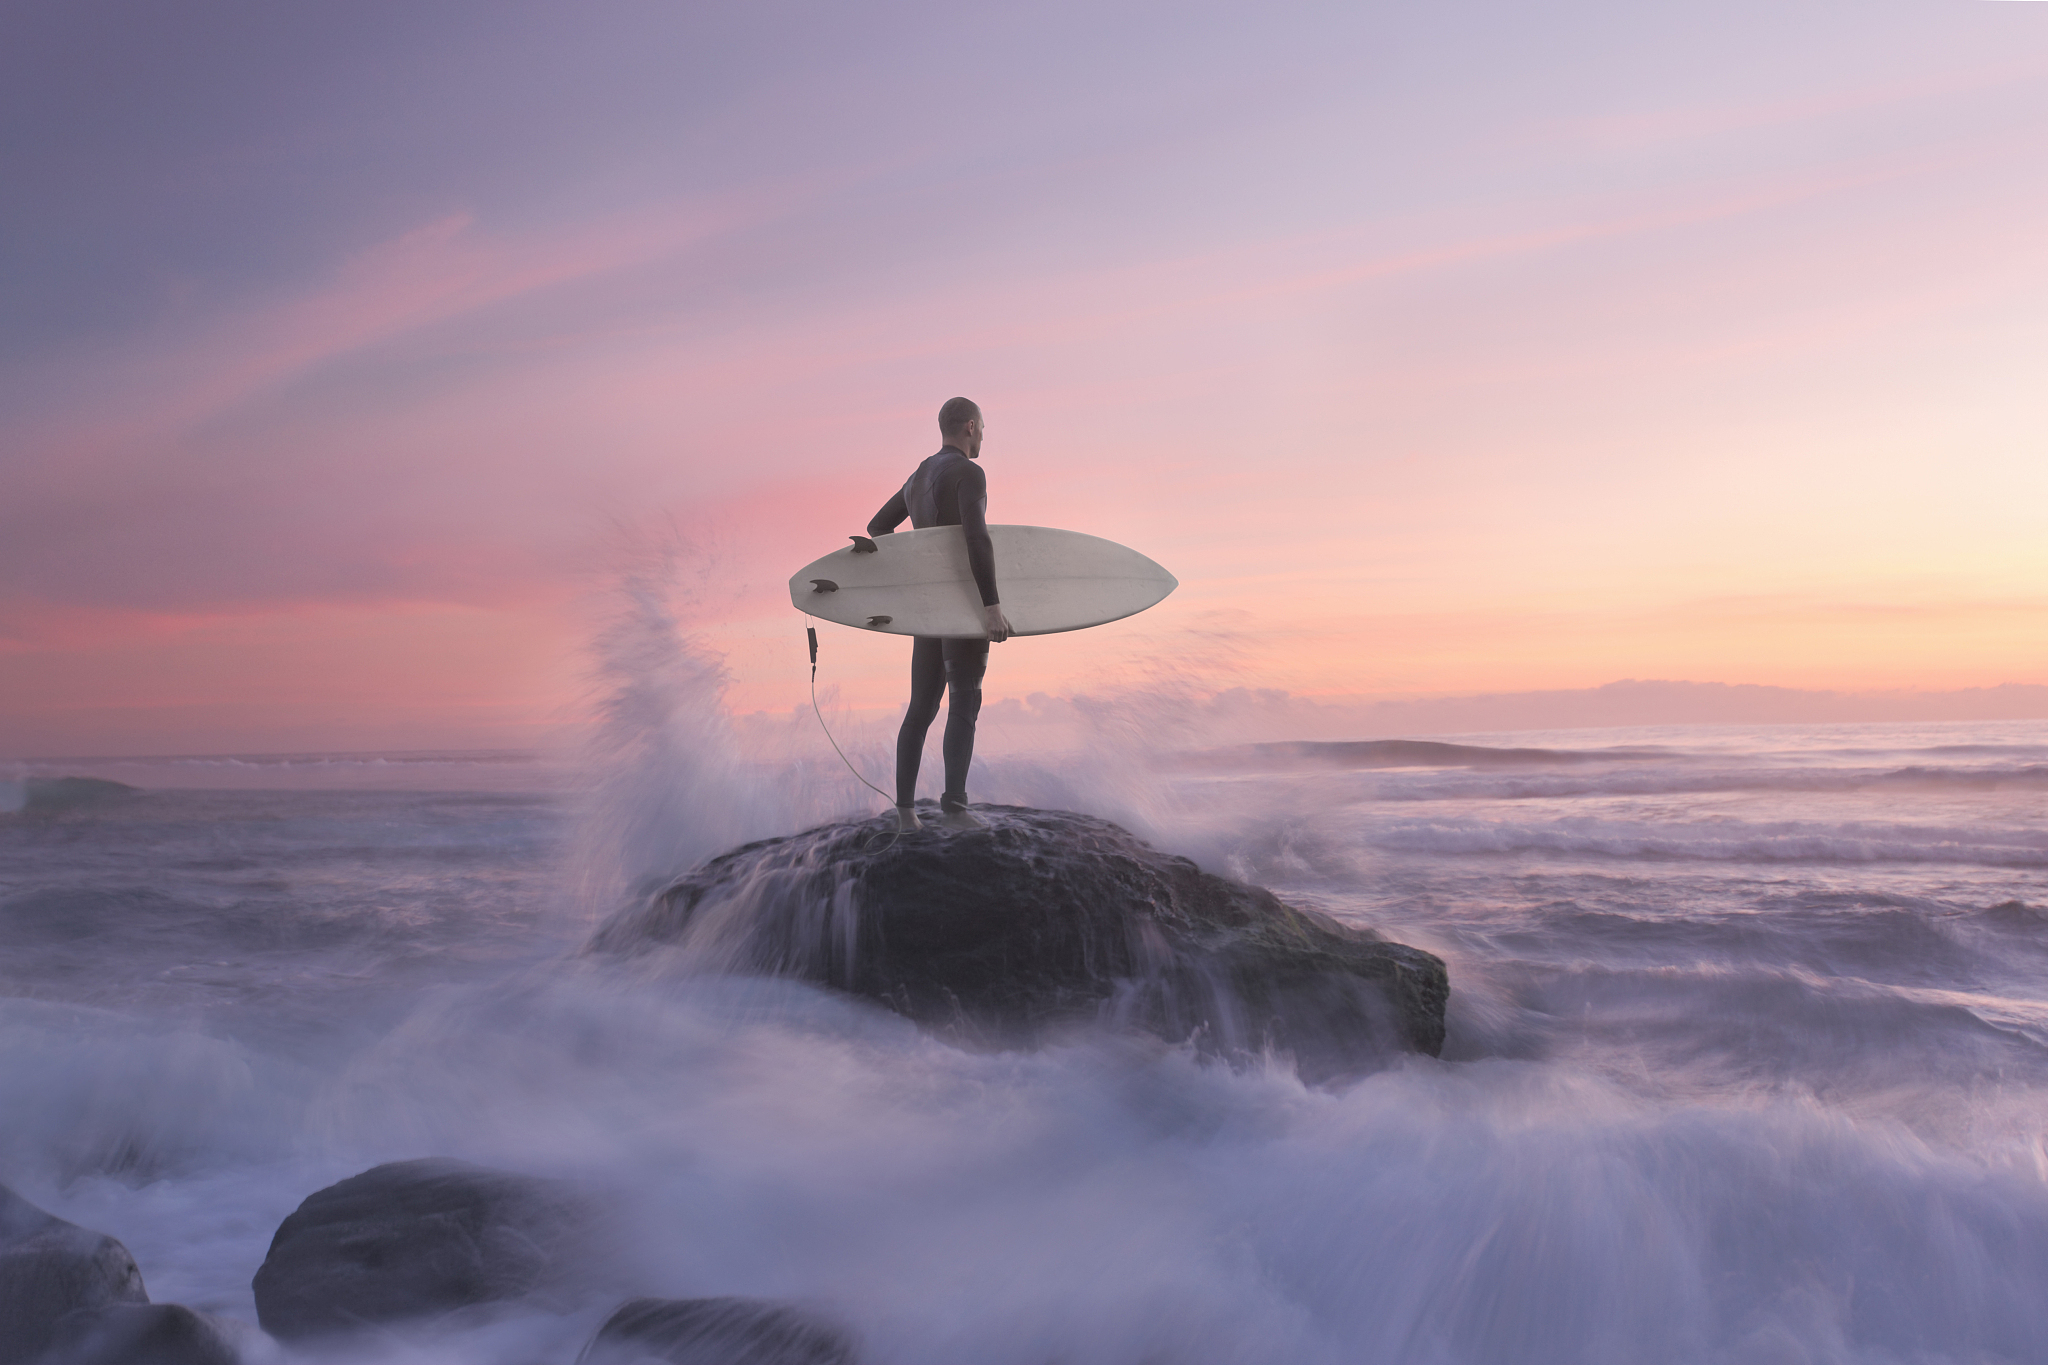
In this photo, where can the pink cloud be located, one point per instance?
(1535, 415)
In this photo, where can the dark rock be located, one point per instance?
(717, 1332)
(144, 1334)
(415, 1239)
(49, 1268)
(1000, 936)
(51, 795)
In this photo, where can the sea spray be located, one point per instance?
(1106, 1201)
(674, 779)
(670, 784)
(1759, 1108)
(1120, 742)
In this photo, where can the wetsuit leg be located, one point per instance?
(927, 681)
(966, 662)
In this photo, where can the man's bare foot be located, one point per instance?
(961, 818)
(907, 821)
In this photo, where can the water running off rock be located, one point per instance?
(1045, 921)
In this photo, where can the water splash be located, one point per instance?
(670, 784)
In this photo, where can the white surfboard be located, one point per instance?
(918, 582)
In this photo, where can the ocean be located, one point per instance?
(1747, 1058)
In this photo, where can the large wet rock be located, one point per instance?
(145, 1334)
(50, 1268)
(716, 1332)
(1043, 920)
(420, 1239)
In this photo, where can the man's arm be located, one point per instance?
(890, 517)
(981, 551)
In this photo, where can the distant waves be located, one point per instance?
(1399, 753)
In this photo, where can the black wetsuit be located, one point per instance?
(947, 490)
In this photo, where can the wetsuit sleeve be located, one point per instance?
(890, 517)
(981, 551)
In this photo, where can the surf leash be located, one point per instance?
(894, 835)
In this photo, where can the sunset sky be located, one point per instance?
(347, 349)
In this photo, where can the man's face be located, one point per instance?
(970, 440)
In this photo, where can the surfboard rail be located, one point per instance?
(918, 582)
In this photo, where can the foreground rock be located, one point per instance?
(144, 1334)
(419, 1239)
(716, 1332)
(1045, 919)
(50, 1268)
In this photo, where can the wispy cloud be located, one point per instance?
(1578, 345)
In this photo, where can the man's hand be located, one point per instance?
(998, 624)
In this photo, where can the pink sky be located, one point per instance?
(1437, 351)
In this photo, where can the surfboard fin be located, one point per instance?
(823, 585)
(862, 545)
(875, 622)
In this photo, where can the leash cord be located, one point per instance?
(894, 835)
(835, 743)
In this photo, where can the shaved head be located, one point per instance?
(956, 414)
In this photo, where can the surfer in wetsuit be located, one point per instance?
(948, 489)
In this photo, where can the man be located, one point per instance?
(949, 489)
